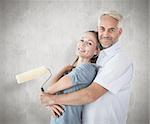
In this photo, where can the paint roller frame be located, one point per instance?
(50, 75)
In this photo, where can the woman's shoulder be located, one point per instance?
(88, 67)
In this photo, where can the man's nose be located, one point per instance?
(105, 34)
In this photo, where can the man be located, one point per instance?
(107, 97)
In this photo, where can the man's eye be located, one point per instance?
(112, 30)
(101, 29)
(82, 40)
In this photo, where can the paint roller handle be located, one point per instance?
(42, 89)
(50, 74)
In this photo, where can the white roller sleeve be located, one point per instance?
(32, 74)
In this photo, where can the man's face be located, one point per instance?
(108, 31)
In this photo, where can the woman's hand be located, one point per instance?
(67, 68)
(56, 110)
(46, 99)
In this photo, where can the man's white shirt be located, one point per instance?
(115, 74)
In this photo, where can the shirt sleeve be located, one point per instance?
(83, 74)
(115, 74)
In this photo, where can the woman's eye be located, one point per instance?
(82, 40)
(90, 43)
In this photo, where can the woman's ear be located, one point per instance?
(97, 51)
(120, 31)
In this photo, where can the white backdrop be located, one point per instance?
(36, 32)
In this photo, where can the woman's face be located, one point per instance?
(87, 46)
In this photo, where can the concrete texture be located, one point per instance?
(35, 33)
(149, 59)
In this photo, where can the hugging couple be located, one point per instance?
(95, 89)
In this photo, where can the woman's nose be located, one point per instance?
(84, 43)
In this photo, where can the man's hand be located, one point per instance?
(46, 99)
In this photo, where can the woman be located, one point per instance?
(79, 77)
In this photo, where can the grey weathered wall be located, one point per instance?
(35, 33)
(149, 57)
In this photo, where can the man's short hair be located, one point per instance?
(114, 14)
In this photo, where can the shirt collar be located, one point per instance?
(115, 48)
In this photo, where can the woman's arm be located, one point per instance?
(64, 70)
(81, 75)
(63, 83)
(60, 82)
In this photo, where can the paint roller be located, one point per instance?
(33, 74)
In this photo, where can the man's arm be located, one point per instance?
(80, 97)
(83, 96)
